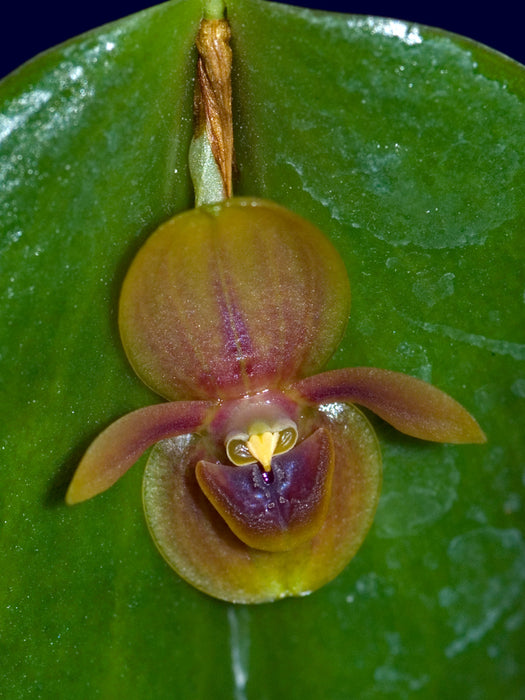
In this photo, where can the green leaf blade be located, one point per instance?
(405, 145)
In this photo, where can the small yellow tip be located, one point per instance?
(262, 446)
(74, 494)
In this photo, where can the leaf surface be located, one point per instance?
(405, 145)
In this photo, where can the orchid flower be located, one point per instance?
(265, 476)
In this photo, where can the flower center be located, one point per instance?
(260, 443)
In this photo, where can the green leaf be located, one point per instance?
(405, 145)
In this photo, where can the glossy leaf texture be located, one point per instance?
(405, 145)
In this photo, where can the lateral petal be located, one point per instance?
(121, 444)
(411, 405)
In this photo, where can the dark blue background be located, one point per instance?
(27, 28)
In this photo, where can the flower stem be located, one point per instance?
(211, 151)
(214, 9)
